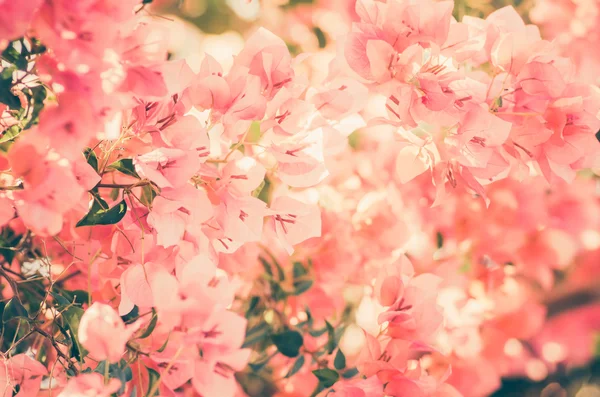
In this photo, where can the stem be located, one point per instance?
(59, 352)
(17, 187)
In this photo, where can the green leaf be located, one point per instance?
(266, 265)
(60, 300)
(10, 134)
(327, 377)
(38, 96)
(121, 371)
(151, 325)
(72, 317)
(299, 270)
(256, 334)
(339, 362)
(125, 166)
(256, 192)
(153, 379)
(8, 239)
(320, 37)
(114, 194)
(12, 55)
(354, 140)
(164, 345)
(254, 132)
(288, 342)
(298, 364)
(331, 341)
(103, 216)
(132, 315)
(91, 158)
(254, 301)
(14, 309)
(148, 195)
(6, 96)
(265, 191)
(498, 102)
(260, 364)
(439, 238)
(352, 372)
(301, 287)
(78, 296)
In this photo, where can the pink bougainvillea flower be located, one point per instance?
(168, 167)
(267, 56)
(21, 376)
(90, 384)
(103, 333)
(294, 221)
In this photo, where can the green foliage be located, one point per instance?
(8, 244)
(320, 37)
(124, 166)
(121, 371)
(327, 377)
(153, 379)
(14, 309)
(101, 214)
(298, 364)
(151, 325)
(148, 195)
(339, 362)
(91, 158)
(288, 342)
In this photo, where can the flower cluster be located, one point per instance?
(254, 229)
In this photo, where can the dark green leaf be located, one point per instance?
(327, 377)
(15, 57)
(125, 166)
(132, 315)
(121, 371)
(352, 372)
(38, 96)
(14, 309)
(164, 345)
(260, 364)
(439, 237)
(301, 287)
(256, 334)
(320, 37)
(78, 296)
(299, 270)
(60, 300)
(99, 216)
(339, 362)
(317, 332)
(151, 326)
(91, 158)
(266, 265)
(148, 195)
(331, 341)
(6, 96)
(296, 367)
(72, 317)
(153, 379)
(288, 342)
(254, 301)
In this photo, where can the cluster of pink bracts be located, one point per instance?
(469, 132)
